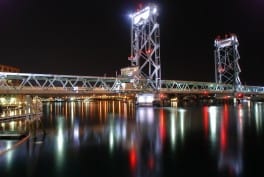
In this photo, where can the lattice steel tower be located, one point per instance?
(145, 45)
(226, 61)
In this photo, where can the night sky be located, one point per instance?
(84, 37)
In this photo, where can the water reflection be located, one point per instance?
(150, 141)
(226, 136)
(258, 115)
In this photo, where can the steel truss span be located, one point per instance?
(36, 84)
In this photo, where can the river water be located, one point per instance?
(115, 138)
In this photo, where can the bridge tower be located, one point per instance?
(145, 46)
(226, 61)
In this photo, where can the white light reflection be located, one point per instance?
(181, 115)
(258, 116)
(9, 155)
(12, 125)
(72, 113)
(118, 132)
(249, 104)
(145, 114)
(124, 131)
(173, 130)
(3, 126)
(76, 134)
(213, 122)
(60, 142)
(111, 139)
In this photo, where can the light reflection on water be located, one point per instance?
(143, 141)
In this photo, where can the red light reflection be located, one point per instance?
(133, 158)
(224, 128)
(162, 126)
(206, 120)
(151, 162)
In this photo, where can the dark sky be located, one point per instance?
(84, 37)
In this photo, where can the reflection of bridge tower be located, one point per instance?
(226, 61)
(145, 46)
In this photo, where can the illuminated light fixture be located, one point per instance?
(146, 98)
(221, 43)
(141, 16)
(154, 10)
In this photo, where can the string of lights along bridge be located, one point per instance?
(144, 74)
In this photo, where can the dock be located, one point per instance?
(12, 135)
(20, 116)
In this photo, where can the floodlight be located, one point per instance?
(154, 11)
(221, 43)
(141, 16)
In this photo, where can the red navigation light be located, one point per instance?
(239, 95)
(148, 51)
(218, 37)
(131, 57)
(221, 69)
(139, 7)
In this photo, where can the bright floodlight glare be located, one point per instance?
(154, 11)
(138, 17)
(225, 42)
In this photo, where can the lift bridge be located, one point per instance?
(47, 84)
(146, 76)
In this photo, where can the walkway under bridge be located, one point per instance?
(50, 84)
